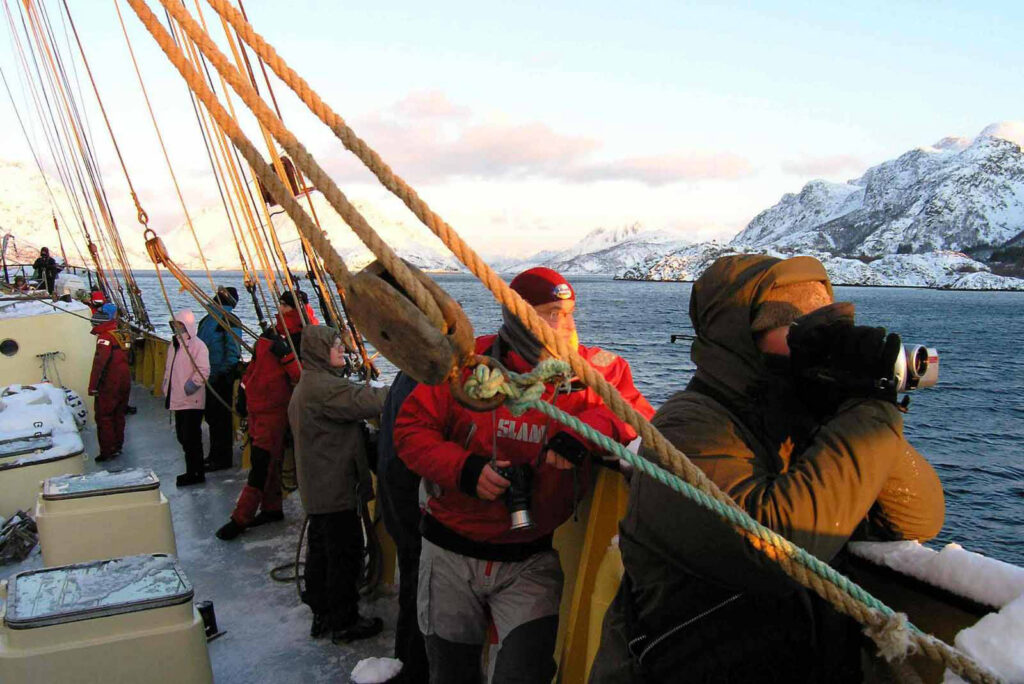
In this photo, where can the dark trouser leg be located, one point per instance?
(218, 417)
(526, 655)
(315, 572)
(188, 425)
(344, 566)
(272, 497)
(119, 414)
(104, 410)
(452, 663)
(252, 493)
(409, 646)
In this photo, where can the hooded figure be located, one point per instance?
(110, 381)
(224, 356)
(326, 413)
(185, 375)
(695, 596)
(267, 382)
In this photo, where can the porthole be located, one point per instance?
(8, 347)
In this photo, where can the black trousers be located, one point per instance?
(219, 418)
(518, 661)
(334, 562)
(398, 499)
(188, 425)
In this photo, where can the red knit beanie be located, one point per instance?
(542, 286)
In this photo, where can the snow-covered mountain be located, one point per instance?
(955, 194)
(940, 269)
(604, 250)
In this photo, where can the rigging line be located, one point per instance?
(63, 144)
(233, 176)
(271, 228)
(307, 251)
(156, 127)
(40, 21)
(39, 97)
(72, 181)
(35, 158)
(417, 291)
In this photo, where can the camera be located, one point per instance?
(518, 494)
(916, 367)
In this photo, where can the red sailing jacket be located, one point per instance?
(110, 367)
(268, 381)
(434, 436)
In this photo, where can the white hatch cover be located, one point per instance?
(100, 484)
(53, 596)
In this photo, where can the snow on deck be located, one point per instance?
(267, 627)
(31, 307)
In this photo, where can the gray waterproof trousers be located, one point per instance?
(460, 596)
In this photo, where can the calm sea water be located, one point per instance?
(971, 426)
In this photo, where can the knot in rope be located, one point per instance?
(521, 390)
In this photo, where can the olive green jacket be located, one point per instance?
(325, 413)
(815, 481)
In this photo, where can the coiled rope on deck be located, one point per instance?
(836, 591)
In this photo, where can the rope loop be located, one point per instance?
(141, 213)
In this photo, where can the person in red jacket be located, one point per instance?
(475, 565)
(110, 382)
(268, 382)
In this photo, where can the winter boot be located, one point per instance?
(264, 517)
(229, 530)
(320, 626)
(211, 466)
(186, 479)
(107, 457)
(362, 628)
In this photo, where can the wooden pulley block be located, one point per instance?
(394, 325)
(155, 248)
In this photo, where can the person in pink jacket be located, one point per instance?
(185, 375)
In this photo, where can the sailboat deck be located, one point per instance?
(267, 627)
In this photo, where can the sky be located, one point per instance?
(526, 125)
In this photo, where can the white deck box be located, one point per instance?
(103, 515)
(122, 620)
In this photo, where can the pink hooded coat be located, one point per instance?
(183, 365)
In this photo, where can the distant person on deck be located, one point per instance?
(225, 352)
(818, 461)
(110, 381)
(20, 284)
(46, 269)
(185, 376)
(326, 413)
(474, 568)
(267, 382)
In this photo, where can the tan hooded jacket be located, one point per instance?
(815, 482)
(325, 413)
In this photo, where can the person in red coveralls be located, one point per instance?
(268, 382)
(110, 382)
(474, 567)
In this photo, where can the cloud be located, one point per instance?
(429, 139)
(828, 165)
(663, 169)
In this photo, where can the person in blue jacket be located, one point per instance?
(225, 352)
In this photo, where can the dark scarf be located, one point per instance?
(519, 339)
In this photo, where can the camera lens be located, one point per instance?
(919, 361)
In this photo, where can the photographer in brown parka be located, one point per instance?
(326, 413)
(819, 463)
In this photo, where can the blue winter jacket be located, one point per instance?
(224, 349)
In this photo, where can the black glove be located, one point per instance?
(280, 347)
(833, 359)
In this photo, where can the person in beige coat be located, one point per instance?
(326, 413)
